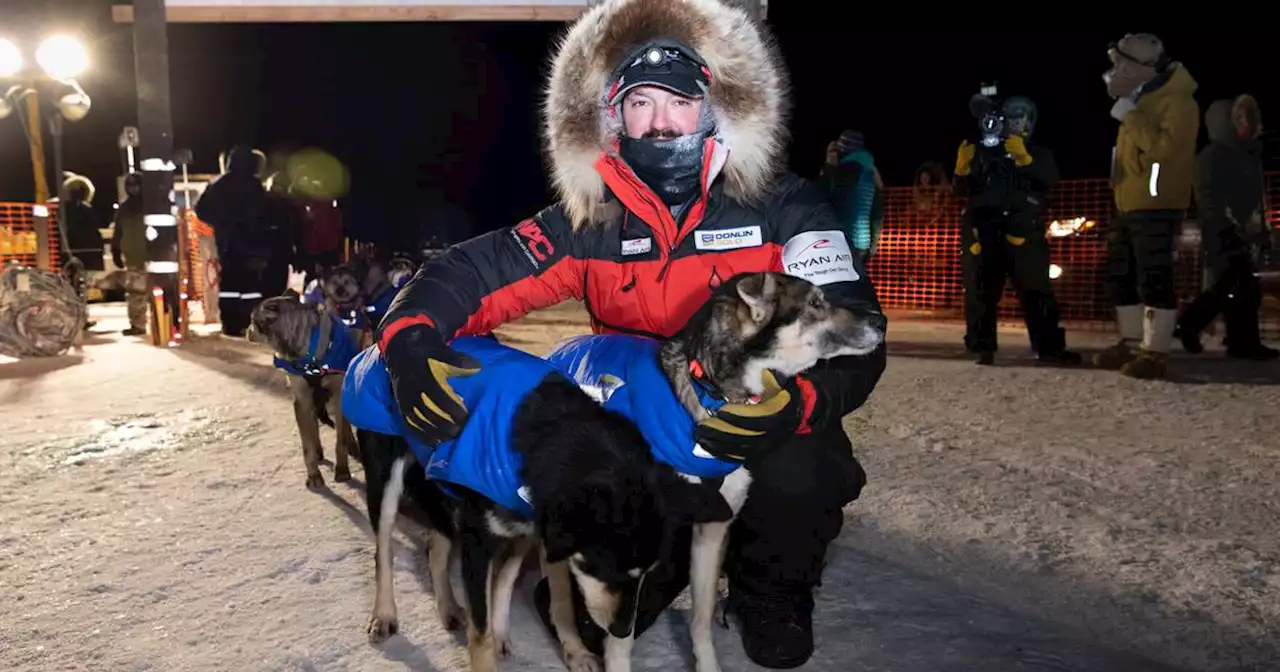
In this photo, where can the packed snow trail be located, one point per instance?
(153, 517)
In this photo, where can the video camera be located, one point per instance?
(986, 108)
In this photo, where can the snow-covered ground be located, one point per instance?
(153, 517)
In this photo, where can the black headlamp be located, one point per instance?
(665, 65)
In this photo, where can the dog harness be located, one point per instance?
(481, 458)
(330, 350)
(378, 306)
(623, 373)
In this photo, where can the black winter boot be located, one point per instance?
(777, 628)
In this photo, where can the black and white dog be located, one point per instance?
(754, 330)
(539, 462)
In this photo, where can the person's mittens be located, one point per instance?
(1017, 148)
(744, 432)
(420, 366)
(964, 157)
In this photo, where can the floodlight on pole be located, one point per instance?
(62, 57)
(10, 58)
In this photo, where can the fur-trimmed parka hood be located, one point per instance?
(747, 95)
(79, 188)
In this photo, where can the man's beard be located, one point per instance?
(661, 134)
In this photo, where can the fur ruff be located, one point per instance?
(748, 94)
(75, 179)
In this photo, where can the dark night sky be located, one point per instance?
(413, 107)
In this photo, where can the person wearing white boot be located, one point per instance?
(1151, 177)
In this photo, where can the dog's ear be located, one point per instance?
(569, 519)
(759, 291)
(690, 503)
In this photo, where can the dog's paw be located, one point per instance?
(504, 648)
(315, 482)
(342, 474)
(382, 627)
(708, 666)
(582, 661)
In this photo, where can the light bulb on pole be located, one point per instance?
(62, 57)
(10, 58)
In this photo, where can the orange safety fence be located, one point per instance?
(18, 234)
(203, 269)
(917, 267)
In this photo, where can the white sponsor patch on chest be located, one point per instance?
(729, 239)
(636, 246)
(821, 257)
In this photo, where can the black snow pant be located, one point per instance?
(242, 287)
(1140, 249)
(996, 249)
(778, 544)
(1235, 293)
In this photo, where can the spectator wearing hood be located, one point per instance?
(1231, 198)
(1151, 177)
(84, 239)
(853, 184)
(235, 205)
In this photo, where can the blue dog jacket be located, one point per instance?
(625, 374)
(481, 458)
(337, 357)
(378, 306)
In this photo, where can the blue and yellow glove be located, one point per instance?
(420, 366)
(741, 432)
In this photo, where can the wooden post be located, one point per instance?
(151, 68)
(35, 141)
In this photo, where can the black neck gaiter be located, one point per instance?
(671, 168)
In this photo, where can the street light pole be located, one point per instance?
(160, 213)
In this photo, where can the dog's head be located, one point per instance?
(759, 321)
(402, 268)
(341, 284)
(614, 526)
(284, 322)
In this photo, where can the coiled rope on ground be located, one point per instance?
(40, 313)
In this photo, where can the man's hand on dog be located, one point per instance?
(420, 366)
(741, 432)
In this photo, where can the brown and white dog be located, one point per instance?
(313, 349)
(754, 327)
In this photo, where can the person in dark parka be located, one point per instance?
(1230, 197)
(235, 205)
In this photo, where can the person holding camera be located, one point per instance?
(1151, 176)
(1006, 181)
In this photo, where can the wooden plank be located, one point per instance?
(330, 14)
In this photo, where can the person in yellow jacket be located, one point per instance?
(1151, 177)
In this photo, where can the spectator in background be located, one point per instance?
(1151, 176)
(84, 238)
(1006, 187)
(235, 205)
(930, 189)
(129, 251)
(852, 183)
(283, 233)
(1231, 198)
